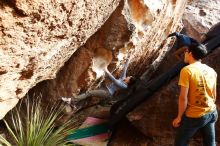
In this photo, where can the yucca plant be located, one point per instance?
(37, 127)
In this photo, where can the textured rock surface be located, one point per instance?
(37, 37)
(200, 16)
(79, 73)
(151, 29)
(134, 28)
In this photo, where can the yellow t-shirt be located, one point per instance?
(201, 80)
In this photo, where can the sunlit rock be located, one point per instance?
(37, 37)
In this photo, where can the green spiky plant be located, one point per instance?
(36, 127)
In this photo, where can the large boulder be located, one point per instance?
(37, 37)
(137, 28)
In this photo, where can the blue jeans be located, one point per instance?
(189, 126)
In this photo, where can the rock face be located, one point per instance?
(136, 28)
(87, 63)
(200, 16)
(37, 37)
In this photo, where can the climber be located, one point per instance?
(108, 91)
(121, 83)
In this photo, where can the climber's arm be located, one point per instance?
(124, 72)
(119, 83)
